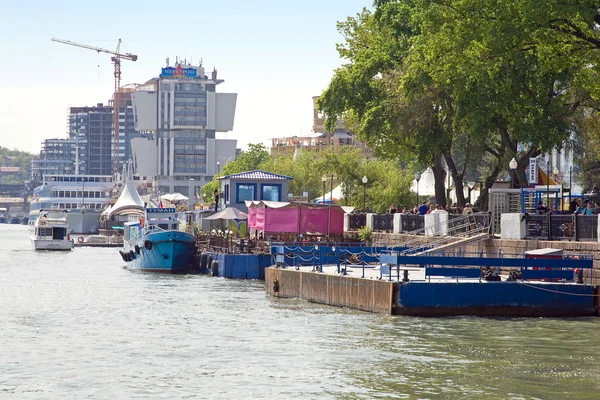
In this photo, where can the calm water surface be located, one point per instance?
(81, 326)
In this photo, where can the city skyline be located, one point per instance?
(275, 56)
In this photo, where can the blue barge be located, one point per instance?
(436, 286)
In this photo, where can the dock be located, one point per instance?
(437, 286)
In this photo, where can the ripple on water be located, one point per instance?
(79, 325)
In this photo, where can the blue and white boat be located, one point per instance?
(155, 243)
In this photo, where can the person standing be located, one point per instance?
(423, 209)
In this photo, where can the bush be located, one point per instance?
(365, 233)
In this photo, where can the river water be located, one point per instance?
(79, 325)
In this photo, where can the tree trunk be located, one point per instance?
(439, 175)
(523, 166)
(457, 178)
(482, 202)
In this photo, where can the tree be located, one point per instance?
(248, 160)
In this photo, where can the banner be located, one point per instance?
(533, 176)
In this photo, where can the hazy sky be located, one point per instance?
(275, 54)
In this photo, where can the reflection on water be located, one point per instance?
(79, 325)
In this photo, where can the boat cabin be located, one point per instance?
(52, 224)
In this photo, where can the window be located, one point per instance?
(246, 191)
(271, 192)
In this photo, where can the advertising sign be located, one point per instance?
(160, 210)
(178, 72)
(533, 176)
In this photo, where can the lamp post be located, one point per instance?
(364, 182)
(323, 179)
(570, 183)
(555, 172)
(190, 201)
(218, 167)
(513, 164)
(331, 193)
(417, 178)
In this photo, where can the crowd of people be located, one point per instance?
(576, 206)
(424, 208)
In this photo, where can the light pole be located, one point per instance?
(331, 193)
(570, 183)
(364, 182)
(513, 164)
(323, 179)
(548, 185)
(417, 178)
(555, 172)
(218, 167)
(190, 194)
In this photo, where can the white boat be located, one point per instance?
(51, 231)
(82, 196)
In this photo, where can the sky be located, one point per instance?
(275, 54)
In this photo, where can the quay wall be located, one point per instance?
(340, 291)
(512, 246)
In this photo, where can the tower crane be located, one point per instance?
(116, 58)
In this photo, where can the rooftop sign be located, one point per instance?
(178, 72)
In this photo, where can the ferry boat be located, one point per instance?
(51, 232)
(82, 196)
(155, 243)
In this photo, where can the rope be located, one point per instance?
(558, 292)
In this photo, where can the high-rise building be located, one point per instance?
(56, 157)
(183, 111)
(92, 128)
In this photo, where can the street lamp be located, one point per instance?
(323, 179)
(570, 183)
(190, 194)
(513, 164)
(331, 193)
(555, 172)
(364, 182)
(218, 167)
(417, 178)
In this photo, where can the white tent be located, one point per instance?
(129, 199)
(172, 197)
(336, 194)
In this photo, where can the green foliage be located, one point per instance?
(248, 160)
(16, 158)
(365, 234)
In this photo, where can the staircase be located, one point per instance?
(459, 230)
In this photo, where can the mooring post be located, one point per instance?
(337, 257)
(362, 259)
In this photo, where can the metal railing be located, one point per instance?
(357, 221)
(412, 222)
(446, 233)
(383, 222)
(562, 227)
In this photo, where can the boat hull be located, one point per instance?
(49, 244)
(170, 251)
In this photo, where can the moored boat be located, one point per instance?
(51, 231)
(155, 243)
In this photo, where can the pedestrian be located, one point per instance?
(423, 209)
(468, 209)
(393, 209)
(541, 208)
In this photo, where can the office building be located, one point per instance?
(184, 112)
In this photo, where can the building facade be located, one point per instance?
(319, 139)
(57, 157)
(184, 112)
(92, 129)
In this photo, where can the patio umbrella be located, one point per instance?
(228, 214)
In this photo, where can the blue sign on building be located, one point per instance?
(178, 72)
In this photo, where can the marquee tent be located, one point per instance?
(282, 217)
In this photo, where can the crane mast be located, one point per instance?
(116, 60)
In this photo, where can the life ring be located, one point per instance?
(148, 245)
(142, 221)
(80, 239)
